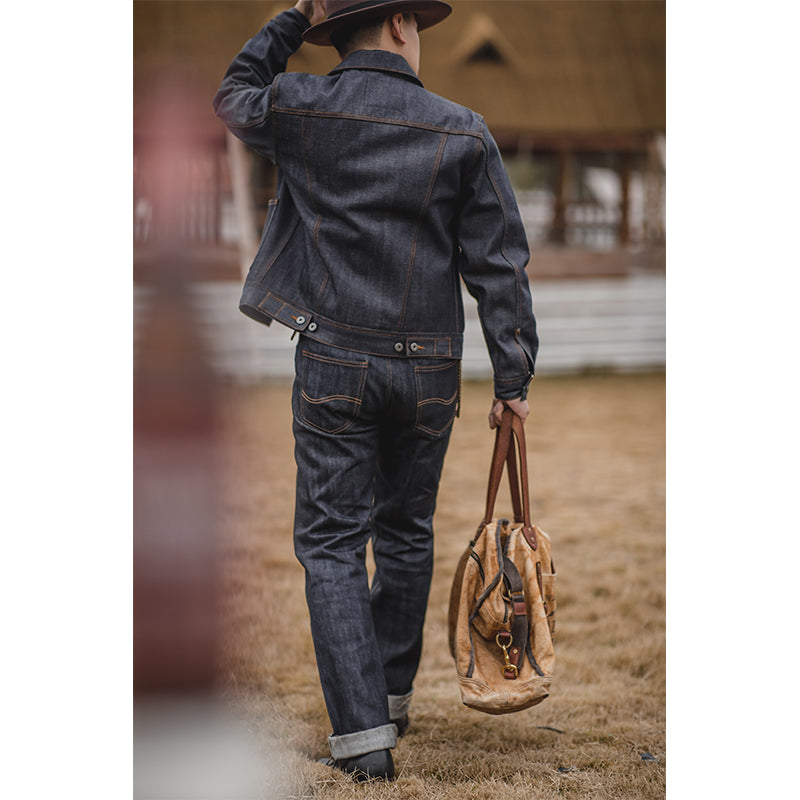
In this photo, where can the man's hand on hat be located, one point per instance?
(517, 405)
(313, 10)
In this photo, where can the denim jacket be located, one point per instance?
(387, 195)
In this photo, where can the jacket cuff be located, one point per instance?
(298, 20)
(510, 391)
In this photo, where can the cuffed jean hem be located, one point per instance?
(355, 744)
(398, 705)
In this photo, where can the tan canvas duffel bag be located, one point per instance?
(502, 604)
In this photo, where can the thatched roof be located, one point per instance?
(561, 66)
(533, 67)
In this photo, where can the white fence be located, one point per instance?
(615, 323)
(611, 323)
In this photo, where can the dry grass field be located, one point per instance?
(597, 460)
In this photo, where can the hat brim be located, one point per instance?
(428, 12)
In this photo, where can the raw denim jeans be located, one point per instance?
(370, 439)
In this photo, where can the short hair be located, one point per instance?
(353, 37)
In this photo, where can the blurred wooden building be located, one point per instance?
(573, 91)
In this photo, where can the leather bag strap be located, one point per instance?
(513, 481)
(510, 452)
(520, 626)
(502, 440)
(519, 435)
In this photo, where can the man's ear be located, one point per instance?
(397, 29)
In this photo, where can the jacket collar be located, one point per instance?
(381, 60)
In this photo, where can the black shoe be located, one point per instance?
(375, 765)
(402, 725)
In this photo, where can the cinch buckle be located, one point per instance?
(510, 671)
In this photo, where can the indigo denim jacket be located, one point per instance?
(387, 196)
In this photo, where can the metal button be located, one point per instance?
(300, 320)
(413, 347)
(312, 326)
(399, 347)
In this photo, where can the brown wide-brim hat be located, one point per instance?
(343, 12)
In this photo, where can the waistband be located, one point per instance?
(403, 344)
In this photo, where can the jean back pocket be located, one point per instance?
(331, 391)
(437, 386)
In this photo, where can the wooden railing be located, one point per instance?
(198, 178)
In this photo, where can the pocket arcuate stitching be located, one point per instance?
(443, 401)
(319, 401)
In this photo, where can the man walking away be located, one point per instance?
(387, 197)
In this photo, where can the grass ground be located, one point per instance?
(597, 461)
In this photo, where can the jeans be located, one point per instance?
(371, 434)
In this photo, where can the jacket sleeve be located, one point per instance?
(244, 99)
(492, 260)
